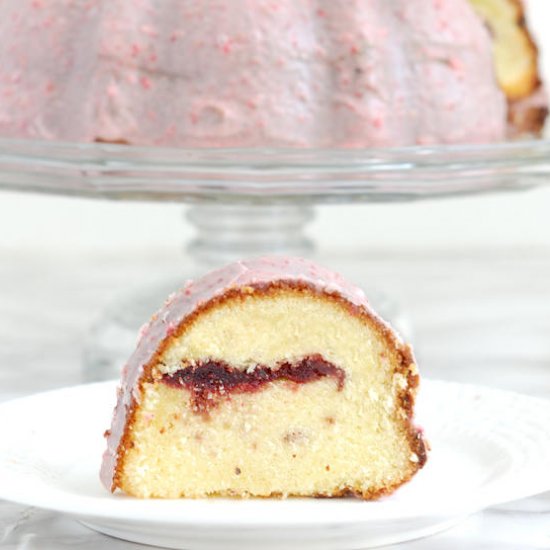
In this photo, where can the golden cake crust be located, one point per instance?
(406, 396)
(517, 64)
(527, 101)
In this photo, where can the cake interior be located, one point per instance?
(329, 434)
(514, 51)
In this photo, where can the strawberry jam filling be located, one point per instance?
(210, 381)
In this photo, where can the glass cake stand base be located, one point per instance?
(224, 233)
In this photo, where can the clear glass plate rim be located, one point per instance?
(271, 158)
(269, 176)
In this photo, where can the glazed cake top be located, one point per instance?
(181, 304)
(213, 73)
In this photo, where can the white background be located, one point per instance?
(520, 219)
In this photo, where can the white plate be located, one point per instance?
(489, 447)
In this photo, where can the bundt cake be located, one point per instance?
(297, 73)
(269, 377)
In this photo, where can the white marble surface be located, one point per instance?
(478, 316)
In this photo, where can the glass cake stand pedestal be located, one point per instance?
(252, 202)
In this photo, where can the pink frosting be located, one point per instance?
(182, 303)
(209, 73)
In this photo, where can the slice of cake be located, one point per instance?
(269, 377)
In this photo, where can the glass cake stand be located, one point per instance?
(249, 202)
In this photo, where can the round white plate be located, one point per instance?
(488, 447)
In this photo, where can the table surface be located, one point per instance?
(478, 316)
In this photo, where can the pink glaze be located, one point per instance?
(219, 73)
(194, 294)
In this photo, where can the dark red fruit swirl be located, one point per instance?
(211, 380)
